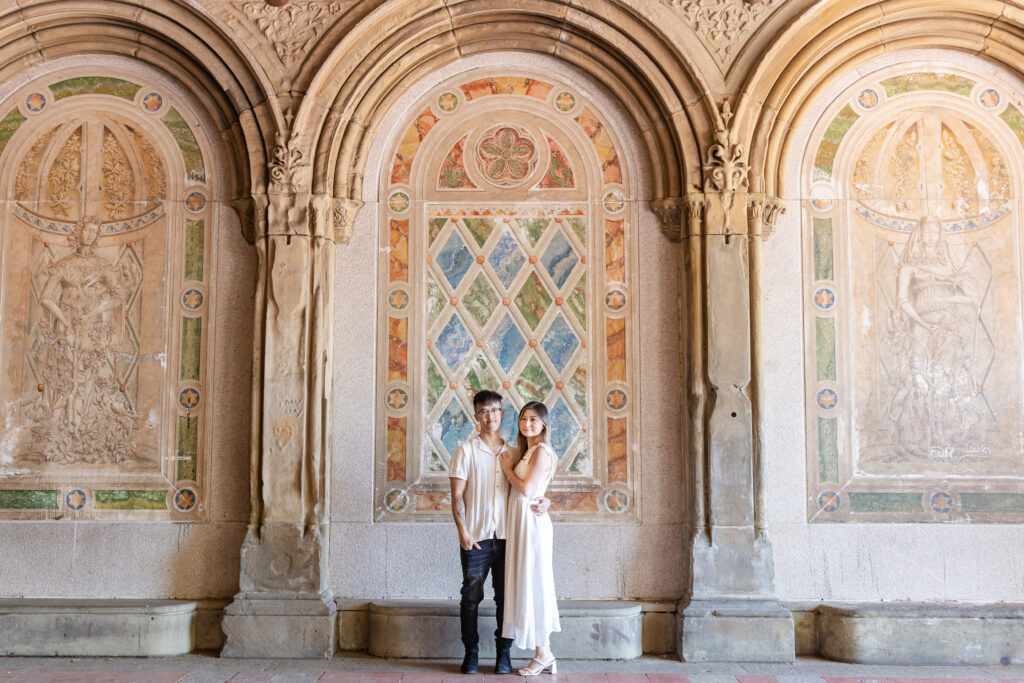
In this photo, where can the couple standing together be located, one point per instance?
(501, 515)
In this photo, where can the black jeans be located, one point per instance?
(475, 566)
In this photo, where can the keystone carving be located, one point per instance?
(295, 28)
(724, 25)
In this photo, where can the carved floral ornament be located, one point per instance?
(292, 27)
(724, 25)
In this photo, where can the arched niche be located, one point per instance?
(509, 214)
(912, 296)
(107, 289)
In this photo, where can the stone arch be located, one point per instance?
(820, 46)
(193, 48)
(668, 99)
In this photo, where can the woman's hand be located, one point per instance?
(505, 460)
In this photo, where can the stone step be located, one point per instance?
(429, 629)
(96, 628)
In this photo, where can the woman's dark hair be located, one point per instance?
(541, 411)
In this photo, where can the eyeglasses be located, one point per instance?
(489, 411)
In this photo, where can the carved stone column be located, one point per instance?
(731, 613)
(285, 607)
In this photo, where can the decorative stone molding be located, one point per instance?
(773, 208)
(287, 160)
(282, 558)
(726, 170)
(670, 213)
(295, 28)
(696, 203)
(344, 212)
(724, 25)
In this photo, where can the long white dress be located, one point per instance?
(531, 611)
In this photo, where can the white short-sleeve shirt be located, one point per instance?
(486, 487)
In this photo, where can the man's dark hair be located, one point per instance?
(485, 397)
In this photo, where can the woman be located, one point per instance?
(531, 612)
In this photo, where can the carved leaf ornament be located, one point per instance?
(295, 27)
(723, 25)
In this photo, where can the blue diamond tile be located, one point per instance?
(454, 343)
(509, 421)
(455, 426)
(563, 428)
(507, 343)
(559, 259)
(454, 259)
(559, 343)
(506, 259)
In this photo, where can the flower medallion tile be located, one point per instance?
(989, 98)
(399, 202)
(533, 228)
(506, 155)
(454, 343)
(76, 499)
(533, 300)
(195, 202)
(454, 260)
(614, 201)
(396, 500)
(192, 299)
(829, 501)
(398, 299)
(152, 102)
(455, 426)
(868, 98)
(821, 204)
(185, 499)
(506, 343)
(616, 500)
(559, 259)
(506, 259)
(616, 399)
(564, 427)
(447, 102)
(533, 383)
(564, 101)
(615, 300)
(35, 102)
(397, 399)
(824, 299)
(188, 398)
(941, 502)
(827, 399)
(559, 343)
(480, 300)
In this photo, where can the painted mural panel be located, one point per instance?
(510, 268)
(914, 313)
(103, 295)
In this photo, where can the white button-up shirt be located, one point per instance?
(486, 491)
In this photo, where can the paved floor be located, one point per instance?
(200, 668)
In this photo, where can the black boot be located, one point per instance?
(503, 658)
(471, 662)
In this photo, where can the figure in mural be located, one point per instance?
(81, 414)
(934, 405)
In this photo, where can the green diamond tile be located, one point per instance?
(479, 377)
(579, 226)
(578, 387)
(436, 225)
(533, 383)
(480, 300)
(436, 301)
(534, 228)
(479, 228)
(578, 301)
(533, 300)
(435, 384)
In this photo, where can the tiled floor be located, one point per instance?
(198, 668)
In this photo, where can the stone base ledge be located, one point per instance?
(96, 628)
(921, 633)
(429, 629)
(735, 629)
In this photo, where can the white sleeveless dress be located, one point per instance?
(531, 611)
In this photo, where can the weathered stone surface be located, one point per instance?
(430, 629)
(96, 628)
(280, 625)
(918, 633)
(736, 631)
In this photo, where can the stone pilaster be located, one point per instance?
(731, 613)
(285, 607)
